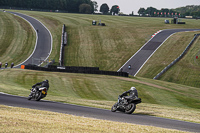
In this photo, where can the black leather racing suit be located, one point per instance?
(42, 84)
(132, 94)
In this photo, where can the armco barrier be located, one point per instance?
(176, 60)
(63, 43)
(73, 69)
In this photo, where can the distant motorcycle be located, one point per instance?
(127, 106)
(37, 94)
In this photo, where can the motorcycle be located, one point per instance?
(127, 106)
(37, 94)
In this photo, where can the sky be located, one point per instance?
(127, 6)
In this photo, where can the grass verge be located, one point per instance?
(15, 119)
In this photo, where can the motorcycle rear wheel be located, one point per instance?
(38, 96)
(130, 108)
(114, 108)
(29, 97)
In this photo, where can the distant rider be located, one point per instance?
(133, 94)
(12, 65)
(6, 65)
(129, 66)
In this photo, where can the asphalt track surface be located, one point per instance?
(43, 49)
(43, 46)
(143, 54)
(17, 101)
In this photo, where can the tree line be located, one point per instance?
(104, 8)
(89, 6)
(75, 6)
(190, 10)
(164, 12)
(153, 12)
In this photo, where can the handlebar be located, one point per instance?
(119, 97)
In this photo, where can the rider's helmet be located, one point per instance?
(133, 88)
(47, 81)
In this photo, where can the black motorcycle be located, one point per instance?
(127, 106)
(38, 94)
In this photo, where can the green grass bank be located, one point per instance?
(17, 39)
(186, 71)
(106, 47)
(111, 46)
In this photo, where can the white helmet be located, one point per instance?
(132, 88)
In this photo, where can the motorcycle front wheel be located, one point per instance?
(114, 108)
(130, 108)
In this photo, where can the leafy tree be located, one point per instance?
(63, 4)
(85, 8)
(67, 5)
(165, 11)
(29, 3)
(187, 14)
(2, 2)
(92, 6)
(104, 8)
(115, 9)
(95, 5)
(190, 10)
(195, 14)
(150, 11)
(141, 11)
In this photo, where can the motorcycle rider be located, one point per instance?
(44, 83)
(133, 94)
(6, 65)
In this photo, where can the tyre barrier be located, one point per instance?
(75, 69)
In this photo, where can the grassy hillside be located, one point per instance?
(158, 98)
(106, 47)
(109, 48)
(17, 39)
(185, 71)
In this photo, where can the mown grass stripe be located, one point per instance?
(17, 41)
(7, 32)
